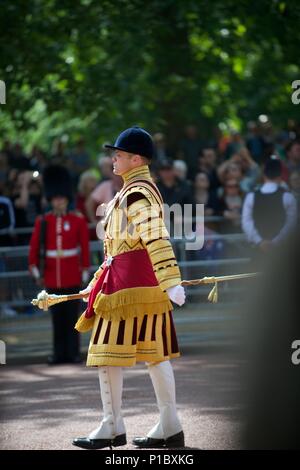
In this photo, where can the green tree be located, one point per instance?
(94, 67)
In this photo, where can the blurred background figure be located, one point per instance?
(175, 191)
(294, 182)
(59, 153)
(4, 170)
(250, 169)
(86, 185)
(59, 260)
(255, 142)
(235, 144)
(293, 155)
(80, 157)
(230, 169)
(204, 195)
(27, 199)
(207, 163)
(18, 159)
(240, 166)
(102, 194)
(271, 375)
(230, 206)
(38, 160)
(7, 225)
(180, 169)
(269, 213)
(105, 166)
(161, 152)
(78, 160)
(189, 149)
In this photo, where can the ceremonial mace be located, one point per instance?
(45, 300)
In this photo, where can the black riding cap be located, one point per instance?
(134, 140)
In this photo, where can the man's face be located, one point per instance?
(59, 203)
(209, 156)
(201, 181)
(294, 153)
(167, 175)
(122, 162)
(234, 171)
(191, 132)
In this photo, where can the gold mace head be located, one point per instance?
(45, 300)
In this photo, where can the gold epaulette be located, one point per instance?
(146, 188)
(145, 191)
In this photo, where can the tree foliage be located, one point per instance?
(93, 67)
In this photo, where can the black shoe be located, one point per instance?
(93, 444)
(148, 442)
(53, 361)
(177, 440)
(74, 360)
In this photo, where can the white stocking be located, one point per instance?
(164, 386)
(111, 386)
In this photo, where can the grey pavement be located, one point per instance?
(46, 407)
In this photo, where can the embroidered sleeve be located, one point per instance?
(146, 223)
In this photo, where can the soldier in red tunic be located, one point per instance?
(59, 260)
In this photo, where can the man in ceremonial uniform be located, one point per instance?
(59, 260)
(129, 300)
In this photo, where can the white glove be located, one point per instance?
(35, 272)
(85, 276)
(176, 294)
(86, 291)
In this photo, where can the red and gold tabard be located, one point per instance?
(129, 310)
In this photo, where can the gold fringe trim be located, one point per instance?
(132, 302)
(138, 310)
(127, 303)
(84, 324)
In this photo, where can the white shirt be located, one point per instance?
(290, 207)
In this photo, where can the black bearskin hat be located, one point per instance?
(57, 182)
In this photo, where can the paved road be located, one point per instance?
(46, 407)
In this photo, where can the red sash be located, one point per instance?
(127, 270)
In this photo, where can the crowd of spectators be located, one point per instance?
(222, 173)
(216, 172)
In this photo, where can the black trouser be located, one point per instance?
(66, 345)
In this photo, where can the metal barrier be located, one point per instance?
(27, 330)
(17, 287)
